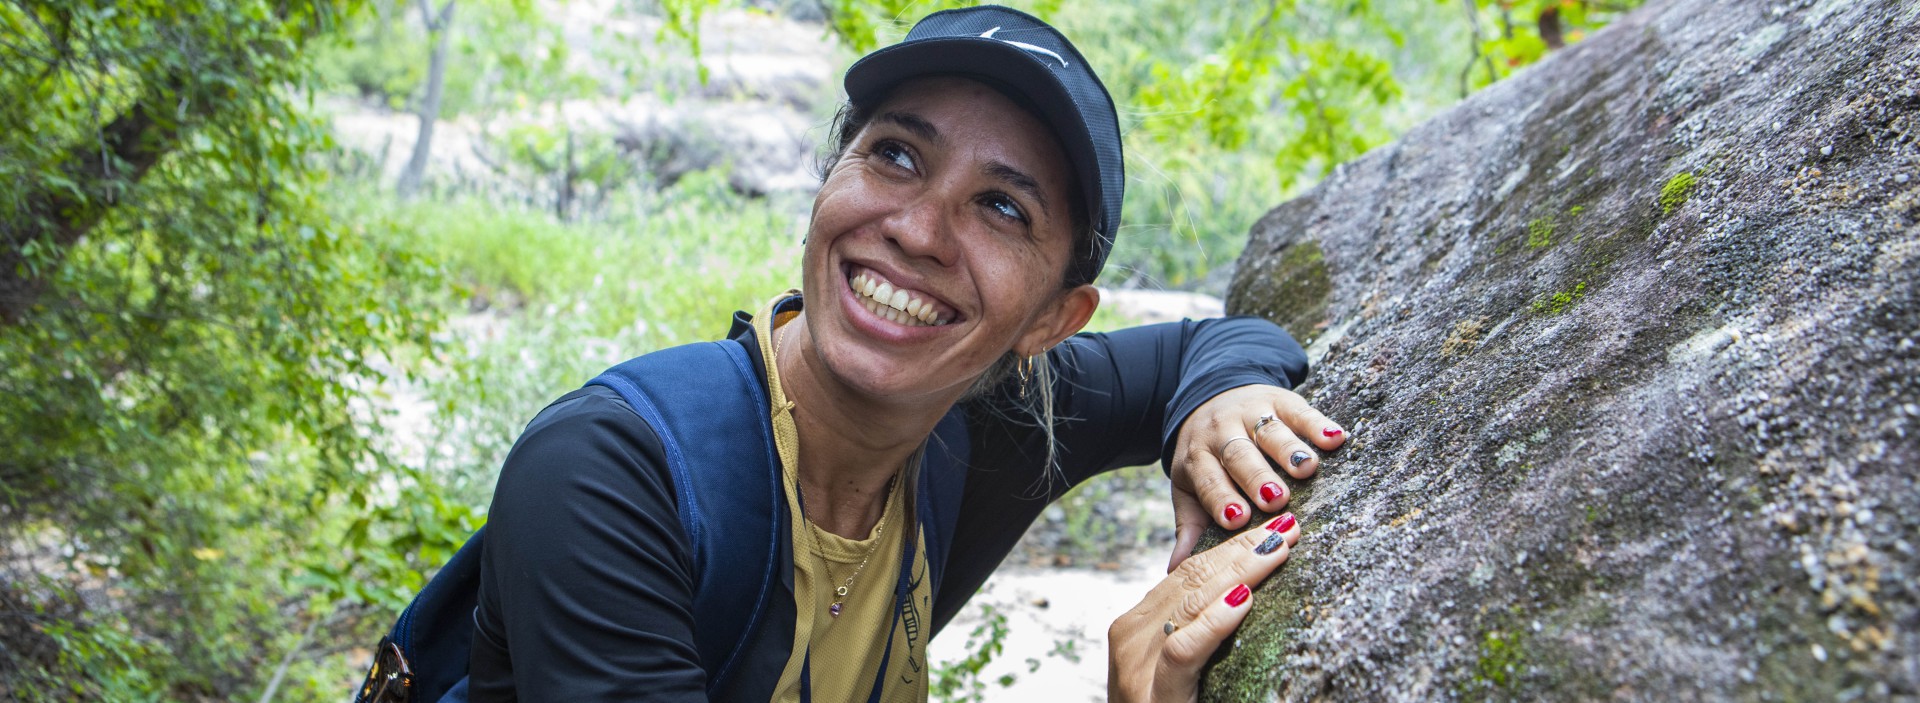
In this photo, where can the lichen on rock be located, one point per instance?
(1629, 349)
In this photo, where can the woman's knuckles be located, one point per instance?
(1232, 452)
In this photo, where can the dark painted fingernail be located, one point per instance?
(1271, 491)
(1238, 595)
(1233, 511)
(1282, 523)
(1272, 542)
(1331, 432)
(1299, 458)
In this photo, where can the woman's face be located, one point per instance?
(952, 203)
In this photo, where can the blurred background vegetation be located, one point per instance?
(282, 279)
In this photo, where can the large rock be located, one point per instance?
(1627, 345)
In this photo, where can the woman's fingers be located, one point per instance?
(1245, 558)
(1213, 486)
(1176, 676)
(1189, 521)
(1309, 423)
(1277, 440)
(1245, 459)
(1214, 597)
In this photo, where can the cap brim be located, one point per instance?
(1006, 68)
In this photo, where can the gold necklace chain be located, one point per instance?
(879, 531)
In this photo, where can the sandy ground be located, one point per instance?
(1046, 607)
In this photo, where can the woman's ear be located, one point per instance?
(1065, 316)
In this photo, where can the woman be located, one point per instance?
(970, 201)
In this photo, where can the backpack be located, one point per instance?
(693, 397)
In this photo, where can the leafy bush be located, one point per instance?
(185, 341)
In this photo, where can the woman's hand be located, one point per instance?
(1220, 458)
(1155, 651)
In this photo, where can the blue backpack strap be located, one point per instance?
(706, 403)
(943, 479)
(434, 634)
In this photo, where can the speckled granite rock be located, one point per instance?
(1628, 347)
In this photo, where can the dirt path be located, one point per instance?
(1049, 610)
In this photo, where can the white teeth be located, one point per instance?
(894, 304)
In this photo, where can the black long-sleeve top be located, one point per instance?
(587, 577)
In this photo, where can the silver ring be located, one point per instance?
(1264, 420)
(1222, 451)
(1168, 628)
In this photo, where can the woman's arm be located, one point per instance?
(586, 575)
(1120, 399)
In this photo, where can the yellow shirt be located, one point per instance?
(847, 649)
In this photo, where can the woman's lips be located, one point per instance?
(902, 306)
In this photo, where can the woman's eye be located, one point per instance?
(1006, 207)
(895, 154)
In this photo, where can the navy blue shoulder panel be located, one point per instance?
(435, 632)
(707, 406)
(943, 479)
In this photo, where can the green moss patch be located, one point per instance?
(1540, 232)
(1502, 658)
(1559, 302)
(1676, 192)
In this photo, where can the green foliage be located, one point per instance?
(506, 53)
(1677, 191)
(1511, 34)
(561, 301)
(1085, 518)
(183, 381)
(962, 680)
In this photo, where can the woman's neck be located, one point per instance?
(850, 445)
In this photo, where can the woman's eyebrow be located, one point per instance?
(916, 124)
(1020, 181)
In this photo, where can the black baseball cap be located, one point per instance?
(1021, 55)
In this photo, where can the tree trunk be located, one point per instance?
(127, 148)
(440, 25)
(1550, 31)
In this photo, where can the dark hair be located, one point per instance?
(849, 119)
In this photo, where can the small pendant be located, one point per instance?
(834, 610)
(841, 591)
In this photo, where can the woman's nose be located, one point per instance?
(923, 228)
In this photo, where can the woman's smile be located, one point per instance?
(896, 303)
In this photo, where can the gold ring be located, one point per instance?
(1168, 628)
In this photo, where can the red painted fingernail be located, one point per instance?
(1238, 595)
(1282, 523)
(1233, 512)
(1271, 491)
(1330, 432)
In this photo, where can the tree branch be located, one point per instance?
(126, 150)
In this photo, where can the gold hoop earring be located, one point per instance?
(1025, 370)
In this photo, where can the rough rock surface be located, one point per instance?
(1628, 347)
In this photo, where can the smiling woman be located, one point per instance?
(790, 513)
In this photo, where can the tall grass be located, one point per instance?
(538, 305)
